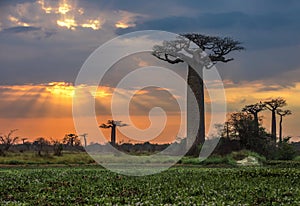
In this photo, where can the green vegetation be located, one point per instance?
(179, 185)
(31, 158)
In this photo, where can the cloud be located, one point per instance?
(21, 29)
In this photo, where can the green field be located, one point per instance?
(91, 185)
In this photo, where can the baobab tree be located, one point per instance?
(209, 50)
(24, 140)
(273, 105)
(254, 109)
(71, 139)
(84, 138)
(282, 113)
(113, 125)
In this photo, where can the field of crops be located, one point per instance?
(177, 186)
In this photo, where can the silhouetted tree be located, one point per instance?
(57, 147)
(216, 49)
(40, 144)
(282, 113)
(273, 105)
(71, 140)
(113, 125)
(254, 109)
(8, 140)
(24, 140)
(242, 127)
(84, 138)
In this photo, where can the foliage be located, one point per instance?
(177, 186)
(239, 155)
(41, 146)
(57, 147)
(242, 126)
(71, 140)
(285, 151)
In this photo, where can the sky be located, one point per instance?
(43, 45)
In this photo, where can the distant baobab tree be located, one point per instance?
(216, 49)
(113, 125)
(282, 113)
(24, 140)
(84, 138)
(254, 109)
(273, 105)
(71, 139)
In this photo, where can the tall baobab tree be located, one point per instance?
(254, 109)
(273, 105)
(209, 51)
(113, 125)
(282, 113)
(84, 138)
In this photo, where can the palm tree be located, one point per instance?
(217, 49)
(113, 125)
(282, 113)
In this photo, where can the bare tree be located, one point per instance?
(254, 109)
(113, 125)
(8, 140)
(282, 113)
(273, 105)
(210, 51)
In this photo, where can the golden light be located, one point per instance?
(17, 21)
(61, 89)
(67, 22)
(64, 7)
(47, 9)
(93, 24)
(81, 11)
(126, 20)
(102, 92)
(122, 25)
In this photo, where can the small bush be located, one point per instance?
(297, 158)
(240, 155)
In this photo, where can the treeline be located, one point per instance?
(41, 145)
(72, 142)
(244, 130)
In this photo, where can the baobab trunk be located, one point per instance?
(280, 129)
(195, 114)
(113, 134)
(273, 130)
(256, 124)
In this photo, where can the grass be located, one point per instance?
(297, 158)
(28, 158)
(91, 185)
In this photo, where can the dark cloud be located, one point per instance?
(257, 30)
(269, 33)
(21, 29)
